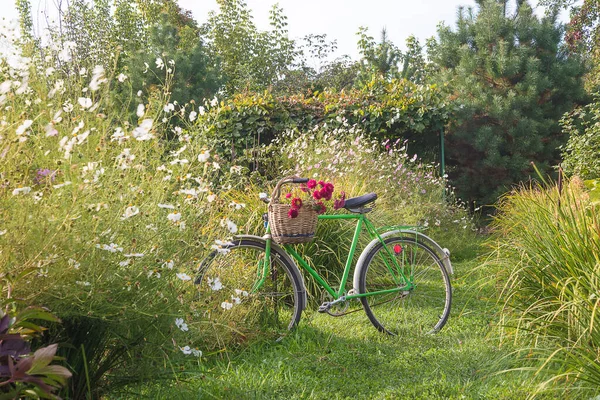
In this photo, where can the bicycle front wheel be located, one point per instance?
(422, 302)
(243, 302)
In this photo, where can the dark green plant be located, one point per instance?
(23, 373)
(581, 154)
(512, 80)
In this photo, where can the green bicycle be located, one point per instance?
(252, 286)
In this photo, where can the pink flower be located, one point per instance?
(320, 208)
(293, 213)
(326, 194)
(311, 184)
(340, 203)
(321, 183)
(288, 195)
(317, 195)
(296, 203)
(329, 187)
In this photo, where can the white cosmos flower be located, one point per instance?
(125, 158)
(201, 110)
(263, 196)
(231, 226)
(236, 205)
(167, 206)
(237, 169)
(66, 183)
(215, 284)
(159, 63)
(73, 263)
(193, 116)
(130, 212)
(190, 192)
(141, 110)
(241, 292)
(226, 305)
(22, 190)
(169, 264)
(214, 102)
(174, 217)
(169, 107)
(179, 161)
(3, 232)
(178, 152)
(134, 255)
(181, 324)
(216, 165)
(139, 93)
(121, 77)
(125, 263)
(84, 102)
(49, 71)
(211, 197)
(97, 77)
(23, 127)
(236, 300)
(142, 132)
(203, 156)
(183, 276)
(67, 106)
(113, 247)
(119, 135)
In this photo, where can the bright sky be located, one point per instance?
(339, 19)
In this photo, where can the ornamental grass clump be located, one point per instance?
(547, 250)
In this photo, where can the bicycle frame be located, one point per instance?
(396, 270)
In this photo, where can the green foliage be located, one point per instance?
(23, 373)
(546, 247)
(581, 154)
(250, 59)
(382, 60)
(397, 109)
(512, 81)
(110, 216)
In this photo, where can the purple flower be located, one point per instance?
(44, 175)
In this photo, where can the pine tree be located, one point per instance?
(512, 81)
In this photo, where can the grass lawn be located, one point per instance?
(346, 358)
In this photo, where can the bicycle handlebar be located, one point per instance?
(299, 180)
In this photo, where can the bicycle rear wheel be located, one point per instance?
(424, 307)
(238, 309)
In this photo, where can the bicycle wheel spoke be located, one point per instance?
(240, 302)
(424, 307)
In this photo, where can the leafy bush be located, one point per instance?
(397, 109)
(23, 373)
(582, 151)
(546, 246)
(112, 218)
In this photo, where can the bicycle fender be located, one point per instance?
(284, 255)
(443, 254)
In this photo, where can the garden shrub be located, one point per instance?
(581, 154)
(396, 109)
(546, 247)
(112, 217)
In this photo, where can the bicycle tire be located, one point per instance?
(423, 309)
(236, 313)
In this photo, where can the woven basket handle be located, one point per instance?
(288, 179)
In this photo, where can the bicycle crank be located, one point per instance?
(335, 308)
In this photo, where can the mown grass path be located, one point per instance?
(346, 358)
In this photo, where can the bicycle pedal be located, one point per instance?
(323, 308)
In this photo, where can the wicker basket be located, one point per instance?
(286, 230)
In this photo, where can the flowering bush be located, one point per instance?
(315, 195)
